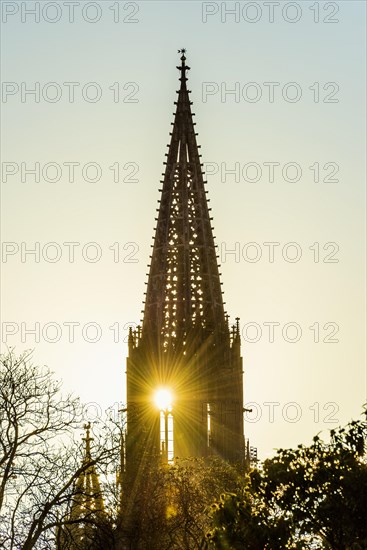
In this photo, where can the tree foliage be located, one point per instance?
(171, 509)
(310, 497)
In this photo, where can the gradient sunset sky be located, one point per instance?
(313, 383)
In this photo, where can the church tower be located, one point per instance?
(184, 367)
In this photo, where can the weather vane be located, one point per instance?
(182, 50)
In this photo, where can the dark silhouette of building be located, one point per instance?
(184, 367)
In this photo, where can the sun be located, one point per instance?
(163, 399)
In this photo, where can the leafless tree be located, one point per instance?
(40, 455)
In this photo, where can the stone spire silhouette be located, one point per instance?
(185, 343)
(86, 521)
(88, 495)
(184, 290)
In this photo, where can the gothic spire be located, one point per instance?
(184, 289)
(82, 528)
(88, 495)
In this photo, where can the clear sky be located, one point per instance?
(297, 75)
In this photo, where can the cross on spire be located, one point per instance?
(183, 67)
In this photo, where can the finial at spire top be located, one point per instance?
(183, 51)
(183, 68)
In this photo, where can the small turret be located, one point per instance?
(81, 528)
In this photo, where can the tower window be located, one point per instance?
(208, 422)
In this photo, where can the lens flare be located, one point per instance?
(163, 399)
